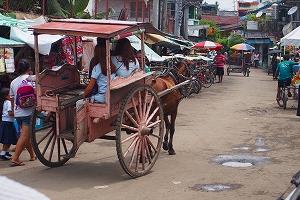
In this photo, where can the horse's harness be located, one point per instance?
(175, 76)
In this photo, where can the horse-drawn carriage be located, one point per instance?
(133, 109)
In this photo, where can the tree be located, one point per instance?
(213, 31)
(67, 8)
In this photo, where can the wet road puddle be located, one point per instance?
(242, 148)
(262, 149)
(217, 187)
(237, 164)
(261, 145)
(240, 160)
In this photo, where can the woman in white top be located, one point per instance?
(125, 60)
(22, 115)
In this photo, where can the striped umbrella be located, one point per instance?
(208, 45)
(242, 47)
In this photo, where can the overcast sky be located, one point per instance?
(224, 4)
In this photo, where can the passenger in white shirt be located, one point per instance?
(125, 60)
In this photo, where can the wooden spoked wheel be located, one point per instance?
(139, 132)
(51, 149)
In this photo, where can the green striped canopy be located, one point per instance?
(11, 22)
(6, 43)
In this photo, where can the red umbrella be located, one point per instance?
(208, 45)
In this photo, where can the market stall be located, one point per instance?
(7, 60)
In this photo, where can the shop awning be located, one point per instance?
(262, 6)
(253, 41)
(11, 22)
(292, 39)
(162, 41)
(151, 55)
(6, 43)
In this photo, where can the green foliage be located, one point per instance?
(10, 14)
(251, 17)
(208, 22)
(68, 8)
(262, 19)
(213, 25)
(80, 5)
(25, 5)
(233, 39)
(54, 8)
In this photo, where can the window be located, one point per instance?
(140, 9)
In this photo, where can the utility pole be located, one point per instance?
(164, 15)
(178, 16)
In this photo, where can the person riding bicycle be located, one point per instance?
(285, 74)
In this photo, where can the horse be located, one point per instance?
(170, 101)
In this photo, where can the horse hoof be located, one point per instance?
(172, 152)
(165, 146)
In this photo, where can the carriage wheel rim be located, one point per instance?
(49, 147)
(139, 149)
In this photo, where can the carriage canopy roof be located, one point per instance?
(96, 28)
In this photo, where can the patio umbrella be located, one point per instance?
(242, 47)
(208, 45)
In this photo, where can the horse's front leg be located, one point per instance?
(166, 138)
(172, 131)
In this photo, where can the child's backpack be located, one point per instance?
(25, 96)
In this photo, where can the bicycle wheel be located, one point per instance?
(197, 86)
(207, 81)
(284, 100)
(280, 100)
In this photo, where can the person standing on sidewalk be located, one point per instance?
(219, 62)
(8, 135)
(23, 109)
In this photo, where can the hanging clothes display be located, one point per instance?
(68, 47)
(7, 60)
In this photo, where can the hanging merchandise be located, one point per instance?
(2, 65)
(68, 46)
(9, 60)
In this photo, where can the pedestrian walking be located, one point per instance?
(274, 64)
(256, 58)
(8, 135)
(22, 92)
(219, 62)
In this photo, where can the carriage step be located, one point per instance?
(67, 135)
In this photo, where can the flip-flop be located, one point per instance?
(16, 164)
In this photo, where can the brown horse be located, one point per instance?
(170, 101)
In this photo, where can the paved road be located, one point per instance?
(228, 115)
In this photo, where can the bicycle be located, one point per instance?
(283, 96)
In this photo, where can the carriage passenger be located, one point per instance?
(98, 74)
(125, 60)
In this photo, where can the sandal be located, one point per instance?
(16, 164)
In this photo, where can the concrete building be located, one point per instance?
(244, 6)
(209, 9)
